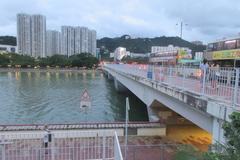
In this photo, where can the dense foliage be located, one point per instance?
(143, 45)
(137, 45)
(79, 60)
(139, 60)
(8, 40)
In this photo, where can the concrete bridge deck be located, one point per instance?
(205, 100)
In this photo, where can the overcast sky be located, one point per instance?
(206, 20)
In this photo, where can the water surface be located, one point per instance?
(54, 97)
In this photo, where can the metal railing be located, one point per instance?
(60, 145)
(222, 84)
(151, 152)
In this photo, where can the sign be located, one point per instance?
(85, 100)
(226, 54)
(184, 54)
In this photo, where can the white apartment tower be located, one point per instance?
(78, 44)
(84, 40)
(31, 35)
(38, 35)
(93, 42)
(76, 40)
(92, 46)
(53, 45)
(67, 40)
(24, 34)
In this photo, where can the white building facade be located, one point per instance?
(67, 40)
(76, 40)
(31, 35)
(53, 45)
(24, 34)
(119, 53)
(8, 48)
(169, 48)
(93, 43)
(38, 35)
(84, 39)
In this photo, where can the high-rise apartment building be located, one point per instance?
(84, 40)
(76, 40)
(53, 43)
(38, 35)
(93, 43)
(67, 40)
(31, 35)
(24, 34)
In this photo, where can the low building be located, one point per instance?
(225, 52)
(197, 42)
(119, 53)
(169, 48)
(139, 55)
(198, 56)
(169, 55)
(8, 48)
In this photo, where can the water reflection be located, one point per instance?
(17, 75)
(29, 74)
(9, 75)
(54, 97)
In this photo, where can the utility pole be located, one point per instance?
(181, 27)
(126, 128)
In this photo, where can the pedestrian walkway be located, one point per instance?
(224, 88)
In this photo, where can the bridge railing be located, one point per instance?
(222, 84)
(61, 145)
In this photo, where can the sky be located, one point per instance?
(204, 20)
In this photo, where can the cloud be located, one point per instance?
(207, 20)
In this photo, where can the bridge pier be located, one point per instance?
(109, 76)
(119, 86)
(217, 131)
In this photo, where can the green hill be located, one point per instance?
(143, 45)
(137, 45)
(8, 40)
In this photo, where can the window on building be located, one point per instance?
(238, 43)
(231, 44)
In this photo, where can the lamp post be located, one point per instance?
(181, 27)
(126, 126)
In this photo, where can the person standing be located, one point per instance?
(204, 70)
(47, 138)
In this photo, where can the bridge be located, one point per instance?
(204, 98)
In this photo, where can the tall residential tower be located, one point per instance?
(31, 35)
(24, 34)
(67, 40)
(38, 35)
(53, 45)
(76, 40)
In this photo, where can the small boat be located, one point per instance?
(85, 101)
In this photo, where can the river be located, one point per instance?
(33, 97)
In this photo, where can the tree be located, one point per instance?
(83, 60)
(232, 134)
(4, 60)
(23, 60)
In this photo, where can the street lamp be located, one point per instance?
(181, 27)
(126, 126)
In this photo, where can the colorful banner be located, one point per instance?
(183, 54)
(226, 54)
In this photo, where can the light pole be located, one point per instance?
(126, 126)
(181, 27)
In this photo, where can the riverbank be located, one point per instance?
(47, 70)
